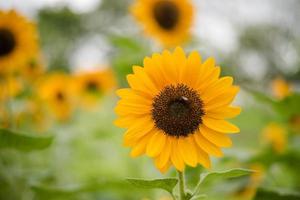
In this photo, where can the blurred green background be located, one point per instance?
(83, 158)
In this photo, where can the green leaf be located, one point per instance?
(265, 194)
(166, 184)
(232, 173)
(199, 197)
(23, 142)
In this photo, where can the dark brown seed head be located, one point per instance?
(60, 96)
(92, 86)
(177, 110)
(166, 14)
(7, 42)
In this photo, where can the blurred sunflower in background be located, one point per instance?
(92, 86)
(33, 68)
(18, 41)
(281, 88)
(175, 110)
(54, 91)
(169, 21)
(275, 135)
(10, 87)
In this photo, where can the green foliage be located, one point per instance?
(267, 194)
(231, 173)
(129, 52)
(62, 26)
(167, 184)
(23, 142)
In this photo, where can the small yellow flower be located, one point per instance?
(10, 87)
(281, 88)
(255, 181)
(18, 41)
(55, 91)
(276, 135)
(90, 87)
(176, 109)
(33, 68)
(169, 21)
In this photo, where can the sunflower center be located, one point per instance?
(7, 42)
(166, 14)
(177, 110)
(92, 86)
(60, 96)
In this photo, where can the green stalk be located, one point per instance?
(181, 185)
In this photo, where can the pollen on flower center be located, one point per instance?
(7, 42)
(177, 110)
(166, 14)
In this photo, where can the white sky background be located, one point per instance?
(217, 23)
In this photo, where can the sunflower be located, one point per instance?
(18, 41)
(167, 20)
(276, 135)
(10, 87)
(54, 90)
(91, 86)
(33, 68)
(281, 88)
(175, 110)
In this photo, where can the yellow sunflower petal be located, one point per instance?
(179, 55)
(140, 146)
(220, 125)
(129, 109)
(153, 67)
(176, 157)
(124, 122)
(209, 79)
(224, 112)
(222, 100)
(169, 68)
(203, 158)
(207, 146)
(156, 144)
(164, 156)
(188, 151)
(165, 167)
(137, 84)
(219, 139)
(192, 70)
(218, 88)
(134, 133)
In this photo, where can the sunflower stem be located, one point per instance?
(181, 185)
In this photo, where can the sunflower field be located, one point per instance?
(149, 100)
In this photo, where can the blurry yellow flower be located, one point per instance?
(175, 110)
(169, 21)
(10, 87)
(91, 86)
(255, 181)
(55, 91)
(33, 68)
(18, 41)
(281, 88)
(276, 135)
(32, 115)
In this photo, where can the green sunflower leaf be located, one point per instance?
(199, 197)
(167, 184)
(231, 173)
(263, 193)
(23, 142)
(228, 174)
